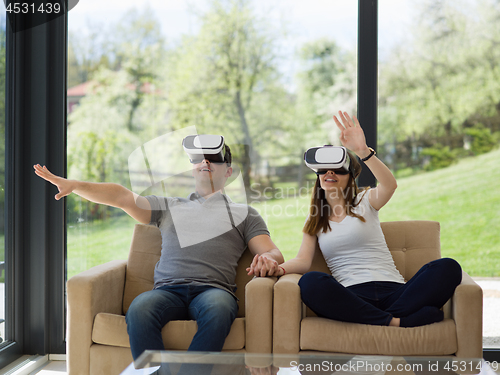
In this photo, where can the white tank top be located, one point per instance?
(356, 252)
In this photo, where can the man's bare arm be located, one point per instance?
(108, 194)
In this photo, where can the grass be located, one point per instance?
(464, 198)
(285, 219)
(90, 244)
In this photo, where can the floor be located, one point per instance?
(491, 307)
(53, 368)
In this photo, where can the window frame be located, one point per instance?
(35, 231)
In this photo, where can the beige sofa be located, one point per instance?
(412, 244)
(97, 340)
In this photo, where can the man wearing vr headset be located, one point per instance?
(203, 238)
(364, 285)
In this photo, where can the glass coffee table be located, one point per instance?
(205, 363)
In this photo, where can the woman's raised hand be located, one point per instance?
(64, 186)
(351, 133)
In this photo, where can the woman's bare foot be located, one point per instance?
(394, 322)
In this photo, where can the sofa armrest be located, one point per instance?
(467, 311)
(259, 314)
(287, 315)
(99, 289)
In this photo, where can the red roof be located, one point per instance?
(78, 90)
(81, 89)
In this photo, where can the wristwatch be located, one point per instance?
(372, 152)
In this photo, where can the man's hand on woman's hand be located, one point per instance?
(263, 266)
(64, 186)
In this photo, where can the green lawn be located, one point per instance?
(90, 244)
(464, 198)
(285, 219)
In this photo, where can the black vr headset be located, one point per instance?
(205, 146)
(323, 159)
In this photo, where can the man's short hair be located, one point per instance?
(228, 157)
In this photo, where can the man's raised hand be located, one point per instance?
(64, 186)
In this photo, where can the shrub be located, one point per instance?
(482, 140)
(438, 157)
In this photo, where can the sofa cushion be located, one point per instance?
(111, 329)
(333, 336)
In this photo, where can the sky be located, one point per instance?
(304, 20)
(307, 19)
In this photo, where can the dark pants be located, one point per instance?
(377, 302)
(213, 309)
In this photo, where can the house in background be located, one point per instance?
(75, 94)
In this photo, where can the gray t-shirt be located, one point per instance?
(202, 239)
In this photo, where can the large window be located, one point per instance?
(439, 129)
(261, 73)
(269, 75)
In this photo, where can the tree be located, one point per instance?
(87, 51)
(326, 83)
(421, 75)
(223, 78)
(98, 138)
(139, 50)
(444, 77)
(123, 106)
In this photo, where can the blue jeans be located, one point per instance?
(377, 302)
(213, 309)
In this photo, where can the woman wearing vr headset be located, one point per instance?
(365, 287)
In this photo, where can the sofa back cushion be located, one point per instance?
(412, 244)
(145, 251)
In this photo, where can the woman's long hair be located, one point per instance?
(320, 211)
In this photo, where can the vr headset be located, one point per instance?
(205, 146)
(323, 159)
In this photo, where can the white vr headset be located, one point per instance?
(205, 146)
(323, 159)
